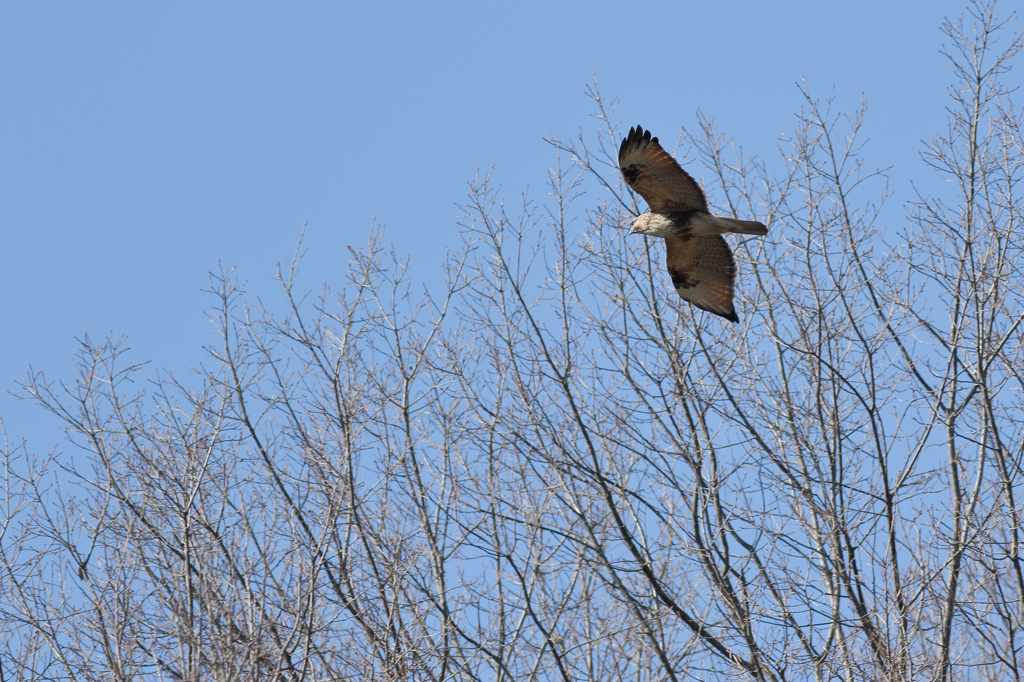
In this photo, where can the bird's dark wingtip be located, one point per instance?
(730, 315)
(637, 137)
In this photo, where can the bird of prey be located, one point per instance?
(698, 258)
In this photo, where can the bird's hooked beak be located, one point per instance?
(641, 224)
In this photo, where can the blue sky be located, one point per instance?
(143, 144)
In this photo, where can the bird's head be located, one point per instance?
(652, 225)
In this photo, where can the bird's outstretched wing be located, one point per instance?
(704, 273)
(656, 176)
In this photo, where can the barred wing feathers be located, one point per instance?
(653, 174)
(704, 273)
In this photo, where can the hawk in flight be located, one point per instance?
(698, 258)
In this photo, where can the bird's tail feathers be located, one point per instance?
(744, 226)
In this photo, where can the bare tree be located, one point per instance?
(551, 468)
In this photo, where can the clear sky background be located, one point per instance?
(142, 144)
